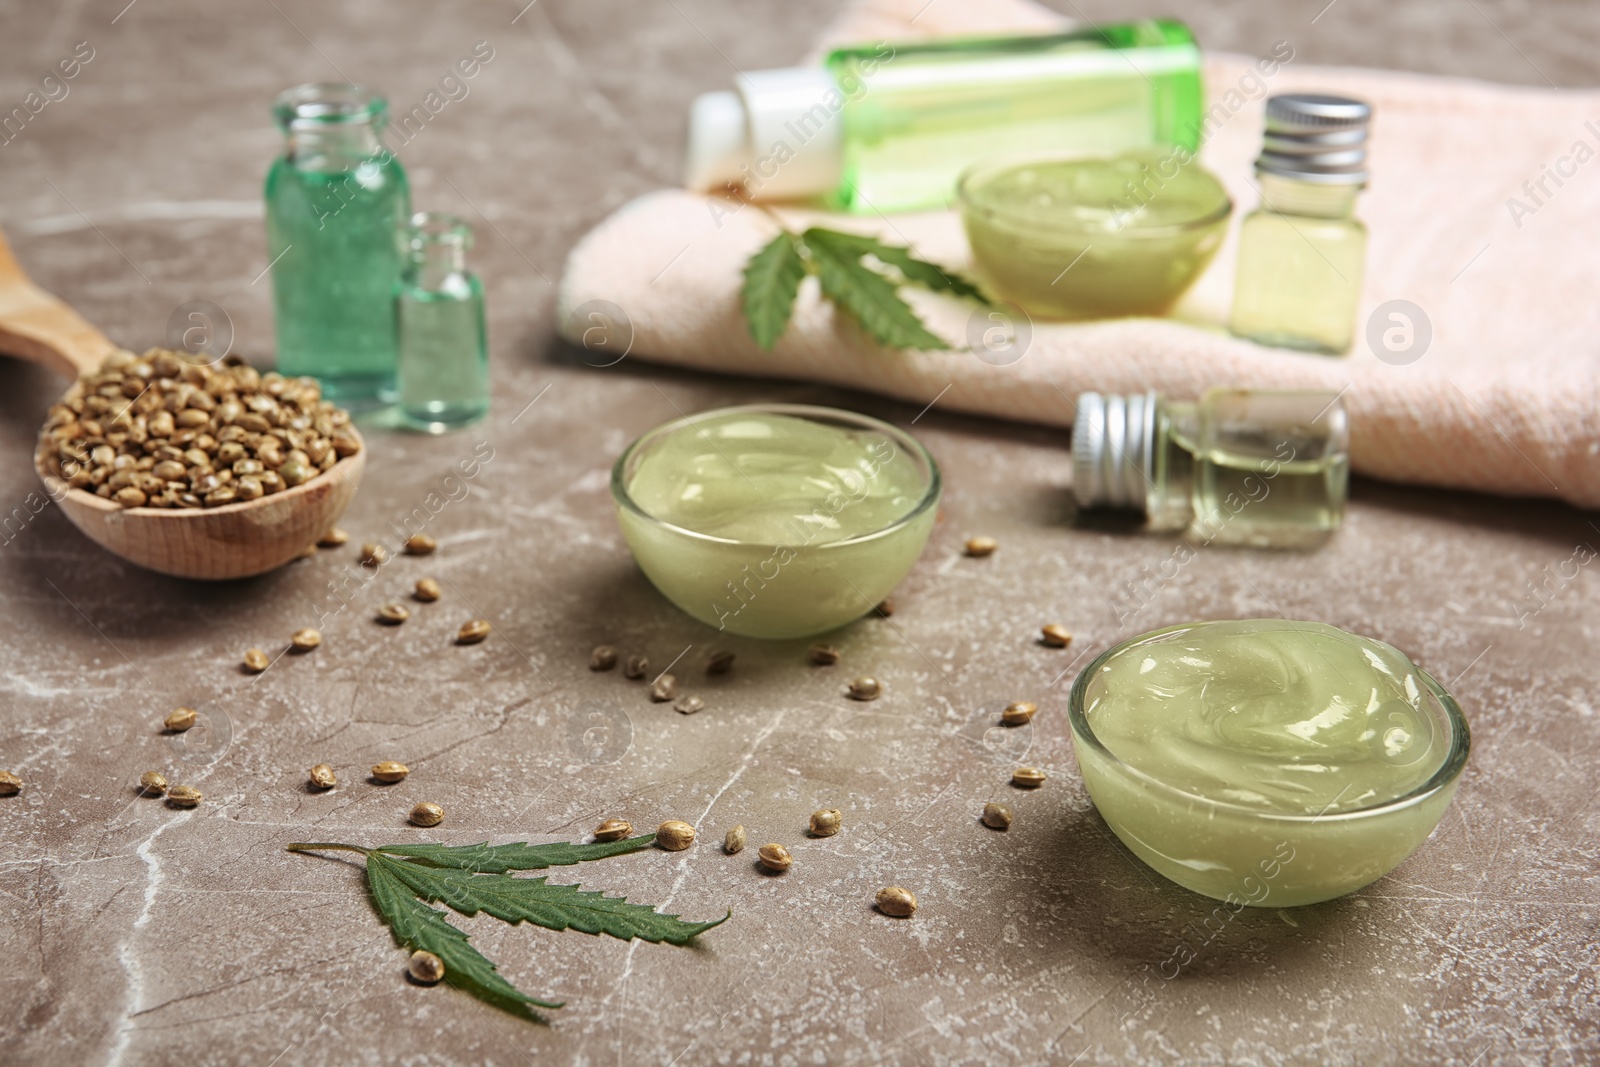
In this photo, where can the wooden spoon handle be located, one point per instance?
(37, 326)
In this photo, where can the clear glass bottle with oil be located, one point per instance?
(1240, 466)
(444, 345)
(1302, 253)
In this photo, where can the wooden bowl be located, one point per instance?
(231, 541)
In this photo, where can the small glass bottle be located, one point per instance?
(1302, 253)
(337, 203)
(444, 348)
(1241, 466)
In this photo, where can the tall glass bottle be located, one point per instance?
(1303, 252)
(890, 127)
(1241, 466)
(444, 349)
(337, 205)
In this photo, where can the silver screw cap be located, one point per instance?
(1113, 445)
(1317, 138)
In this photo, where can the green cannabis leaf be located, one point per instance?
(403, 880)
(839, 262)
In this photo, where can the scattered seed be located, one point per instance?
(825, 823)
(664, 689)
(1018, 712)
(333, 538)
(10, 784)
(997, 816)
(472, 631)
(613, 830)
(603, 658)
(674, 836)
(978, 547)
(256, 661)
(823, 655)
(635, 667)
(426, 814)
(373, 554)
(322, 776)
(719, 662)
(886, 608)
(774, 857)
(688, 705)
(1055, 636)
(184, 796)
(734, 842)
(419, 545)
(179, 720)
(865, 688)
(1028, 777)
(305, 640)
(393, 614)
(153, 782)
(427, 590)
(389, 771)
(425, 967)
(900, 903)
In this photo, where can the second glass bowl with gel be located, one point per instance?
(1263, 761)
(776, 520)
(1096, 237)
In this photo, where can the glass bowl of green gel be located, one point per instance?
(1266, 762)
(1097, 237)
(776, 520)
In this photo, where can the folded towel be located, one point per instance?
(1484, 212)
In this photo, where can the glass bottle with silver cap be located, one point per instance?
(1302, 253)
(1241, 466)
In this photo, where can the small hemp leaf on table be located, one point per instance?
(865, 292)
(404, 880)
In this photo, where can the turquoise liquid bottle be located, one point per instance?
(337, 205)
(444, 347)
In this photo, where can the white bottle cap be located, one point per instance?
(780, 135)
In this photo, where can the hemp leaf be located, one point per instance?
(404, 880)
(866, 293)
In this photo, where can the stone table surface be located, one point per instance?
(136, 933)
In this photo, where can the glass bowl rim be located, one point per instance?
(1133, 233)
(930, 496)
(1460, 738)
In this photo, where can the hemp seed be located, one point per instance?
(1028, 777)
(256, 661)
(427, 590)
(472, 631)
(663, 689)
(674, 836)
(425, 967)
(373, 554)
(1019, 712)
(10, 784)
(735, 840)
(305, 640)
(996, 816)
(1055, 636)
(635, 667)
(774, 857)
(978, 547)
(420, 545)
(333, 538)
(184, 796)
(153, 782)
(390, 772)
(719, 662)
(825, 823)
(688, 705)
(393, 614)
(179, 720)
(603, 658)
(426, 814)
(865, 688)
(823, 655)
(897, 902)
(886, 607)
(613, 830)
(322, 776)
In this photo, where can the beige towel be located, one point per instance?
(1505, 398)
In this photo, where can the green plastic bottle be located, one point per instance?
(337, 206)
(889, 127)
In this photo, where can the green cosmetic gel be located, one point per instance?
(1264, 761)
(776, 521)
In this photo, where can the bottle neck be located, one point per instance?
(332, 148)
(435, 262)
(1283, 195)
